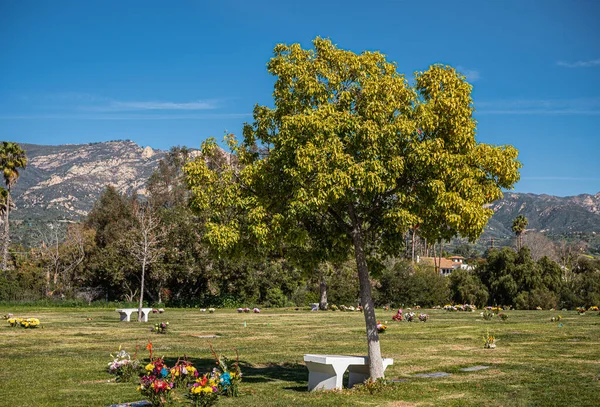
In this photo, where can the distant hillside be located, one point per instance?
(63, 182)
(552, 215)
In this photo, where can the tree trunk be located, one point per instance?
(6, 239)
(323, 292)
(414, 232)
(374, 350)
(142, 290)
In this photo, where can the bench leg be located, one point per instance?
(357, 374)
(125, 316)
(145, 316)
(323, 377)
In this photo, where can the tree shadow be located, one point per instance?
(269, 372)
(290, 372)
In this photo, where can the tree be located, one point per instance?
(518, 227)
(144, 244)
(351, 143)
(12, 158)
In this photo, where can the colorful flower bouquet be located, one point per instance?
(123, 366)
(211, 310)
(155, 384)
(423, 317)
(410, 317)
(489, 342)
(398, 316)
(183, 373)
(555, 319)
(228, 373)
(381, 328)
(256, 310)
(160, 328)
(204, 392)
(240, 310)
(581, 310)
(593, 308)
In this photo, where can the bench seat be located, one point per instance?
(326, 372)
(125, 313)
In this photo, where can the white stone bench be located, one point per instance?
(125, 313)
(326, 372)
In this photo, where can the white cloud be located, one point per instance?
(579, 64)
(582, 106)
(157, 105)
(472, 75)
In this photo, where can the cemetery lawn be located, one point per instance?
(536, 362)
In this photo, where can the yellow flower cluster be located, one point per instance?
(201, 389)
(24, 322)
(149, 367)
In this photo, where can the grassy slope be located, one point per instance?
(536, 362)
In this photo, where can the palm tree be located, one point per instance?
(518, 226)
(12, 157)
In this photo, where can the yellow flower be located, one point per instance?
(149, 367)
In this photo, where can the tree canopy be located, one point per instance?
(351, 144)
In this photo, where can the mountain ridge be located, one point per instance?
(63, 182)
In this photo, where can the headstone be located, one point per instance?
(474, 368)
(436, 374)
(141, 403)
(314, 306)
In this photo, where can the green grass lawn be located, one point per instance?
(536, 362)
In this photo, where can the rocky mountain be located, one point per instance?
(63, 182)
(552, 215)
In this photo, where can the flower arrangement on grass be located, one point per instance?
(256, 310)
(556, 319)
(489, 342)
(503, 316)
(160, 328)
(593, 308)
(183, 373)
(334, 307)
(240, 310)
(204, 392)
(398, 316)
(487, 315)
(155, 384)
(228, 373)
(381, 328)
(23, 322)
(211, 310)
(450, 307)
(410, 317)
(423, 317)
(123, 366)
(538, 308)
(581, 310)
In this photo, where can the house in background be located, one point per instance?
(445, 265)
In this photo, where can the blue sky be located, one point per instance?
(174, 73)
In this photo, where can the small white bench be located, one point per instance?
(326, 372)
(125, 313)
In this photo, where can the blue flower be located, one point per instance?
(225, 379)
(164, 372)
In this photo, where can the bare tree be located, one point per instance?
(62, 254)
(145, 241)
(540, 246)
